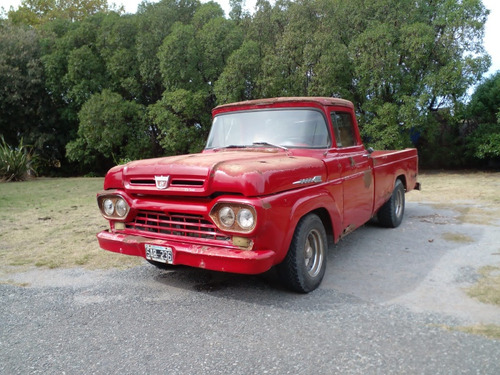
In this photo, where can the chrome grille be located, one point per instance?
(176, 224)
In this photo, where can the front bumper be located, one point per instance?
(208, 257)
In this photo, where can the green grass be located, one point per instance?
(51, 223)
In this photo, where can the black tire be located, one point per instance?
(304, 265)
(391, 213)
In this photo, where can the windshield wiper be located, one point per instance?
(230, 146)
(269, 144)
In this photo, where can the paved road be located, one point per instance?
(380, 310)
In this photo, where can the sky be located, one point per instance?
(492, 29)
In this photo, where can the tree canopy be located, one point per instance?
(93, 86)
(38, 12)
(484, 113)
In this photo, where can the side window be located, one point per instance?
(344, 129)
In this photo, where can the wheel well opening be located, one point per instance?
(327, 223)
(402, 178)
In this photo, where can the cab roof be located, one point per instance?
(269, 102)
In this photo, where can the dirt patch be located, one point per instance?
(457, 237)
(487, 289)
(488, 330)
(435, 219)
(472, 213)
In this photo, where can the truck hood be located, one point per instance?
(250, 173)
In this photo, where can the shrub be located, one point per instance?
(16, 163)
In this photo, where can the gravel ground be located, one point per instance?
(380, 310)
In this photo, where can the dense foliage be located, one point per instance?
(89, 86)
(484, 115)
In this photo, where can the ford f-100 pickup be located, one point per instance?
(279, 181)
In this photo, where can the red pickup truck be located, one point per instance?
(278, 182)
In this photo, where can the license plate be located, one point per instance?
(160, 254)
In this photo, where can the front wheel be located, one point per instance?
(304, 265)
(391, 213)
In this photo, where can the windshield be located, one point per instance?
(300, 128)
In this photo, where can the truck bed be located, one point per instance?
(402, 164)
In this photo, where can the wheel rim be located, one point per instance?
(398, 203)
(313, 253)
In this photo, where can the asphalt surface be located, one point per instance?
(386, 299)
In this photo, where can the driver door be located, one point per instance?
(356, 171)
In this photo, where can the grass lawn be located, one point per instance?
(459, 187)
(52, 223)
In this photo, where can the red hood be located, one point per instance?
(250, 173)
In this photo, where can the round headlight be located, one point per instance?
(226, 216)
(108, 207)
(121, 207)
(245, 218)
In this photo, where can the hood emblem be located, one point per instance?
(309, 180)
(162, 182)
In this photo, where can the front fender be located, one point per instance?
(305, 201)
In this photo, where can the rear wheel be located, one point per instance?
(391, 213)
(304, 265)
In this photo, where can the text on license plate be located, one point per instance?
(160, 254)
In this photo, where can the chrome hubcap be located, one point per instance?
(313, 253)
(398, 203)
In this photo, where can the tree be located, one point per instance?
(111, 129)
(21, 81)
(239, 80)
(116, 44)
(218, 38)
(410, 61)
(182, 127)
(39, 12)
(27, 110)
(155, 21)
(180, 59)
(485, 101)
(484, 113)
(406, 65)
(192, 58)
(398, 61)
(74, 71)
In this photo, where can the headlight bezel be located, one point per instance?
(116, 201)
(236, 208)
